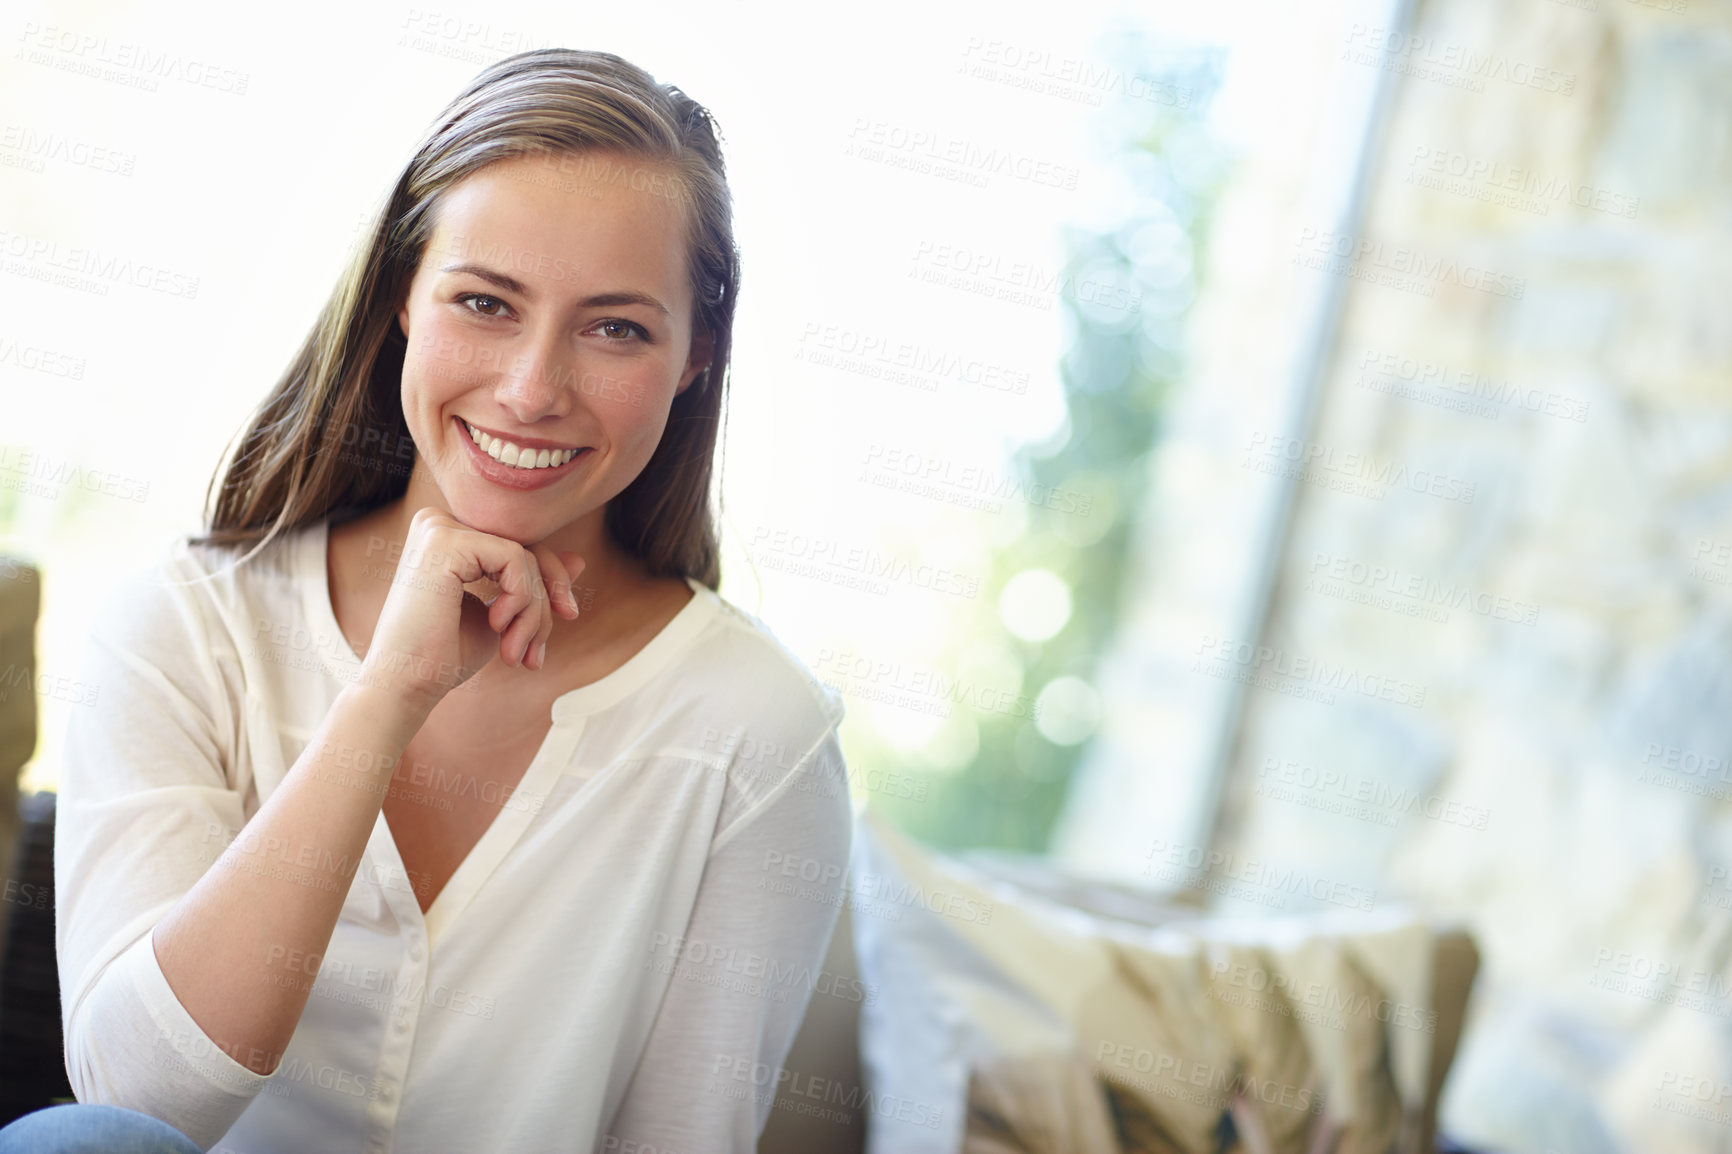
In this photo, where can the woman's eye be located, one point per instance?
(622, 330)
(481, 303)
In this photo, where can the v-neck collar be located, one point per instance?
(496, 841)
(341, 660)
(570, 713)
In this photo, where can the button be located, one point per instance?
(385, 1093)
(402, 1025)
(415, 952)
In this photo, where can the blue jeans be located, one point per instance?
(93, 1129)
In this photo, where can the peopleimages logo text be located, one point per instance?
(1279, 663)
(1359, 473)
(1348, 255)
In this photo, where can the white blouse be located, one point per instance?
(620, 964)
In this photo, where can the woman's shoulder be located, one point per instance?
(186, 583)
(745, 670)
(767, 720)
(263, 560)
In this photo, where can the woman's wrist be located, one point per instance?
(398, 709)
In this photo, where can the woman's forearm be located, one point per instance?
(242, 947)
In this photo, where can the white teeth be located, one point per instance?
(507, 453)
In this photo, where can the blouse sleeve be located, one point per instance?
(766, 906)
(145, 805)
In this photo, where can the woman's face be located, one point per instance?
(551, 311)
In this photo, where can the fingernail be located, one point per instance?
(541, 655)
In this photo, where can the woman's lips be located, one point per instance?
(510, 476)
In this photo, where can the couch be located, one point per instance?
(827, 1045)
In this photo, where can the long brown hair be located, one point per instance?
(325, 438)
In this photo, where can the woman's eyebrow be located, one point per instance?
(600, 300)
(504, 281)
(623, 297)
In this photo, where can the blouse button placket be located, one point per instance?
(394, 1057)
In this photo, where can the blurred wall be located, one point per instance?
(1497, 674)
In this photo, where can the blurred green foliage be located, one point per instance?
(1126, 292)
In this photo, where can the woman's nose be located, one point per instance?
(538, 382)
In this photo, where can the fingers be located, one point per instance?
(524, 604)
(553, 576)
(519, 609)
(554, 573)
(535, 582)
(574, 565)
(552, 593)
(540, 586)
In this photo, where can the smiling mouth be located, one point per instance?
(508, 453)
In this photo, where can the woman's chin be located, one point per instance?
(488, 516)
(505, 517)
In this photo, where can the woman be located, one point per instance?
(436, 801)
